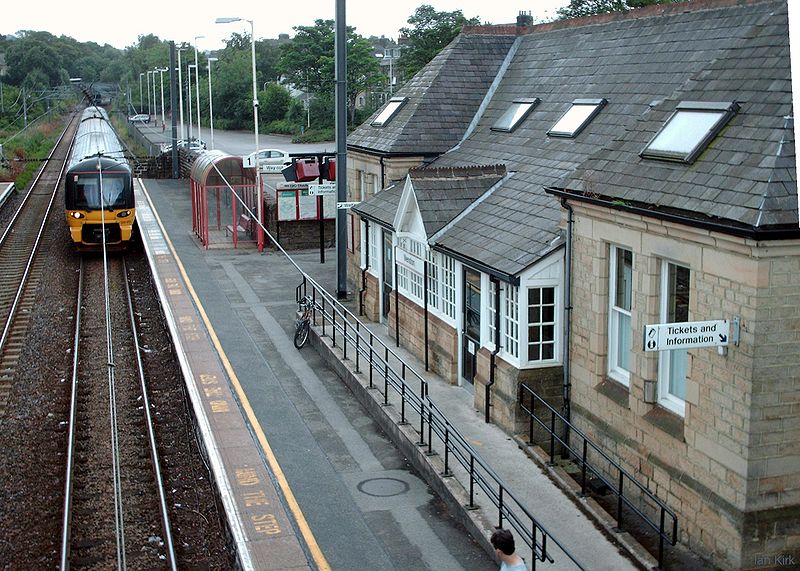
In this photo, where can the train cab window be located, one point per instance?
(87, 192)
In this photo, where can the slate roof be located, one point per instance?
(648, 55)
(746, 177)
(442, 99)
(441, 194)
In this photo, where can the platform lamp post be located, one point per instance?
(197, 84)
(149, 109)
(189, 98)
(141, 97)
(155, 102)
(161, 78)
(255, 121)
(210, 102)
(180, 92)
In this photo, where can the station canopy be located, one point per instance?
(208, 166)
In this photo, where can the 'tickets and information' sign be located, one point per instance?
(687, 335)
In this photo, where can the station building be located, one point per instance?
(537, 196)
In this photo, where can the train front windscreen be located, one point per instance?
(86, 191)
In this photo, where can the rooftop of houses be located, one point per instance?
(583, 106)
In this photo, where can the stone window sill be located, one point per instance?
(614, 391)
(666, 421)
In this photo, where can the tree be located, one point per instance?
(276, 103)
(308, 61)
(580, 8)
(431, 31)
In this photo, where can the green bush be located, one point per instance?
(315, 136)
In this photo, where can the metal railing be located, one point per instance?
(390, 375)
(581, 457)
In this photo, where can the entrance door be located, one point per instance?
(471, 336)
(388, 273)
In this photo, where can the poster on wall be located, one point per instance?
(307, 205)
(287, 205)
(329, 206)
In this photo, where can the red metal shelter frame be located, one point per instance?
(220, 173)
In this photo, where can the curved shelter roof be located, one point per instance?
(208, 167)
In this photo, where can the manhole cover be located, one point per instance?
(383, 487)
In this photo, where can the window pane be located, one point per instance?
(678, 307)
(533, 315)
(572, 120)
(534, 295)
(518, 110)
(548, 314)
(548, 295)
(623, 341)
(624, 286)
(534, 353)
(548, 332)
(684, 131)
(547, 351)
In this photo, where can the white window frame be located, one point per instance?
(374, 250)
(433, 280)
(449, 291)
(667, 399)
(410, 282)
(557, 323)
(509, 320)
(617, 314)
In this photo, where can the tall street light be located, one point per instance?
(189, 99)
(155, 103)
(197, 84)
(255, 121)
(210, 102)
(180, 91)
(161, 77)
(140, 92)
(149, 110)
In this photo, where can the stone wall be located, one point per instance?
(729, 467)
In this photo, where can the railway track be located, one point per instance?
(115, 513)
(20, 267)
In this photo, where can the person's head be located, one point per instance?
(503, 540)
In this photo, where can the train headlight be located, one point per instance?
(76, 214)
(123, 213)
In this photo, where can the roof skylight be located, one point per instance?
(577, 117)
(689, 130)
(515, 114)
(394, 105)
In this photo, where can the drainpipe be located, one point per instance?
(567, 386)
(383, 173)
(493, 359)
(396, 303)
(425, 293)
(363, 289)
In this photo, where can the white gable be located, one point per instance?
(408, 220)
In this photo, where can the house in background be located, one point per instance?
(605, 174)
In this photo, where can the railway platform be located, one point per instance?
(231, 315)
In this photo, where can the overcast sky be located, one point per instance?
(182, 21)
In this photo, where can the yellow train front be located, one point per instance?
(98, 188)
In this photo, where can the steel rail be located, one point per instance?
(35, 248)
(162, 497)
(36, 181)
(73, 410)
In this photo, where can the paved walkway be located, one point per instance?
(268, 280)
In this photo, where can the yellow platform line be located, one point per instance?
(280, 477)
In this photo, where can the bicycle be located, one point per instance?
(303, 324)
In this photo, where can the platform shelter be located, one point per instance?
(225, 198)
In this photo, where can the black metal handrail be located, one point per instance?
(581, 456)
(349, 332)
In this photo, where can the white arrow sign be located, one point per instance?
(345, 205)
(687, 335)
(272, 169)
(320, 189)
